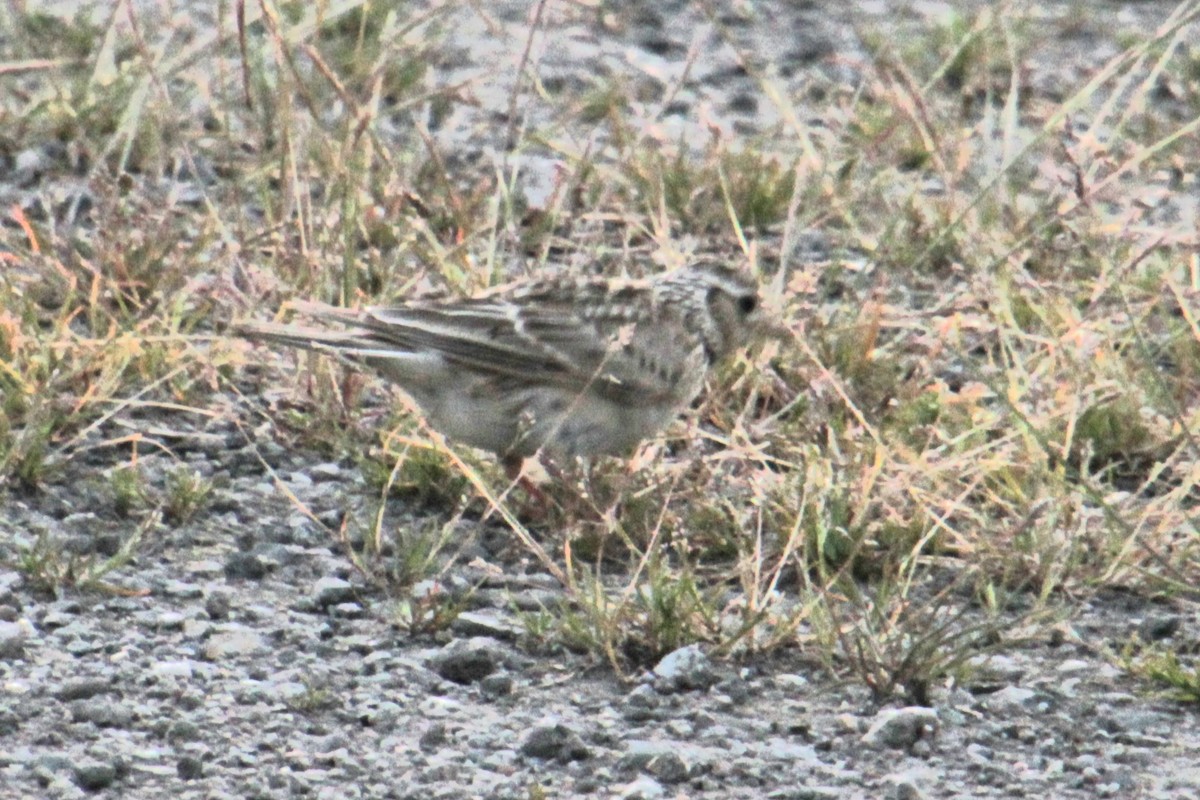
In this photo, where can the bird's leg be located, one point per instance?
(513, 471)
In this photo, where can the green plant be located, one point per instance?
(186, 492)
(1178, 678)
(50, 568)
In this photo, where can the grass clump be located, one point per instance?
(985, 406)
(50, 568)
(1163, 669)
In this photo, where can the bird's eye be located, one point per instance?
(747, 303)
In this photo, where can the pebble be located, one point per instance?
(467, 660)
(685, 669)
(95, 775)
(900, 728)
(554, 740)
(12, 640)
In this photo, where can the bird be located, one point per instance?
(563, 366)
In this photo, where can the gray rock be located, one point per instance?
(102, 713)
(467, 660)
(907, 785)
(84, 688)
(900, 728)
(1159, 626)
(245, 566)
(433, 738)
(496, 685)
(641, 704)
(661, 760)
(487, 622)
(643, 788)
(685, 669)
(94, 775)
(12, 640)
(217, 605)
(328, 471)
(554, 740)
(348, 611)
(189, 768)
(234, 643)
(331, 591)
(1012, 700)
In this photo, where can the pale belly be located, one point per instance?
(468, 410)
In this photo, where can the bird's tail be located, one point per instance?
(348, 340)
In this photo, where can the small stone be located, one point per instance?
(900, 728)
(189, 768)
(496, 685)
(328, 471)
(486, 623)
(684, 669)
(182, 590)
(330, 591)
(348, 611)
(466, 661)
(101, 713)
(553, 740)
(659, 759)
(245, 566)
(641, 704)
(433, 738)
(233, 644)
(1011, 699)
(174, 669)
(83, 688)
(12, 640)
(1157, 628)
(95, 775)
(643, 788)
(217, 605)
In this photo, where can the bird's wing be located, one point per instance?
(584, 340)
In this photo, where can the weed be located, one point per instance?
(1163, 669)
(128, 489)
(50, 569)
(185, 493)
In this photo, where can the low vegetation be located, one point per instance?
(986, 411)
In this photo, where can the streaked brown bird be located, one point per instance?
(568, 366)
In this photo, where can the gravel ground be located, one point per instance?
(252, 662)
(244, 657)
